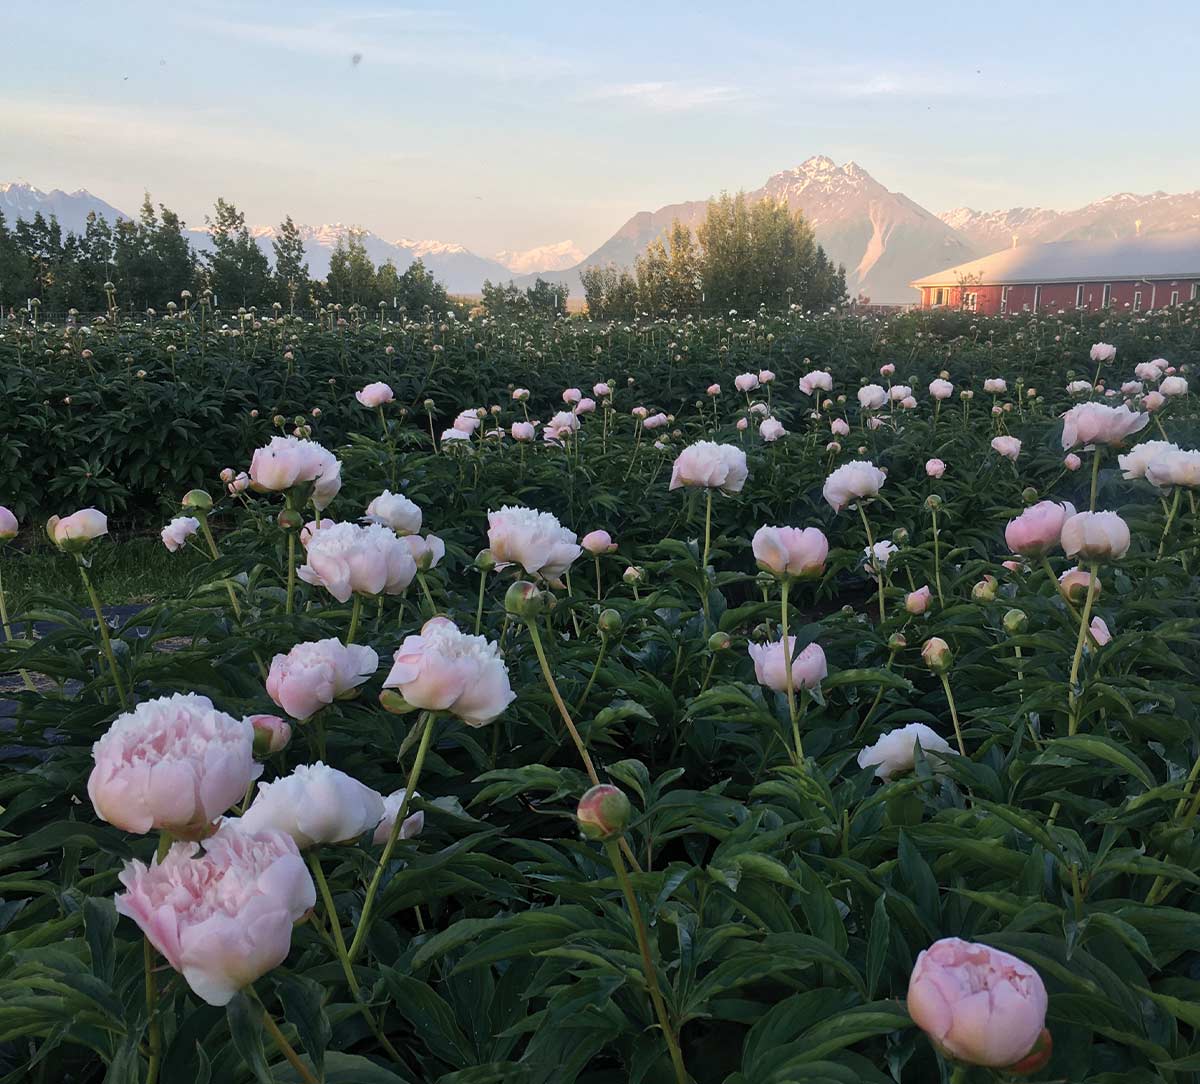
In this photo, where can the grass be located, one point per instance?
(136, 570)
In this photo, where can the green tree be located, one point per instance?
(290, 276)
(417, 288)
(352, 276)
(238, 270)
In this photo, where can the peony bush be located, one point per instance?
(657, 738)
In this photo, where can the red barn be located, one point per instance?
(1129, 274)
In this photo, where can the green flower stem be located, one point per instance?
(571, 594)
(595, 670)
(651, 973)
(155, 1024)
(937, 553)
(788, 679)
(953, 714)
(596, 558)
(8, 635)
(708, 673)
(1095, 476)
(1072, 695)
(707, 534)
(291, 573)
(105, 642)
(355, 613)
(536, 637)
(425, 588)
(216, 555)
(285, 1048)
(1167, 525)
(479, 605)
(879, 569)
(427, 723)
(878, 696)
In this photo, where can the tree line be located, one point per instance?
(147, 263)
(743, 255)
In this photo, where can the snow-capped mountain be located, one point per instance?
(883, 238)
(556, 257)
(19, 200)
(1122, 215)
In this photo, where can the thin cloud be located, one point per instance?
(669, 97)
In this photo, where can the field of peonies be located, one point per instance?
(792, 699)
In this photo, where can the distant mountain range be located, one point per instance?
(883, 238)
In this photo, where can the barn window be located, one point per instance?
(970, 302)
(938, 296)
(1106, 297)
(1174, 298)
(1195, 290)
(1079, 296)
(1037, 297)
(1004, 299)
(1137, 300)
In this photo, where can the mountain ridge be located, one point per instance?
(884, 238)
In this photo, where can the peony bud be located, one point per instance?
(271, 734)
(603, 813)
(290, 520)
(937, 654)
(485, 561)
(609, 622)
(1036, 1059)
(985, 590)
(523, 599)
(933, 503)
(1015, 622)
(719, 641)
(197, 500)
(897, 642)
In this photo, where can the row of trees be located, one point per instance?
(743, 255)
(541, 299)
(150, 261)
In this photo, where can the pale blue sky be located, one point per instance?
(516, 124)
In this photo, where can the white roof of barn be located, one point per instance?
(1157, 256)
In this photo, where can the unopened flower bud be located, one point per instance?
(719, 641)
(900, 536)
(523, 599)
(937, 654)
(197, 500)
(634, 574)
(985, 590)
(933, 503)
(1029, 495)
(429, 406)
(271, 734)
(278, 421)
(485, 561)
(1015, 622)
(290, 520)
(609, 622)
(603, 813)
(394, 703)
(1036, 1059)
(897, 642)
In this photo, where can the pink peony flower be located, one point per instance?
(935, 468)
(598, 542)
(978, 1004)
(790, 551)
(1036, 531)
(426, 551)
(852, 482)
(872, 397)
(1095, 536)
(1103, 352)
(73, 532)
(316, 804)
(746, 382)
(288, 461)
(374, 395)
(1090, 424)
(941, 389)
(1072, 462)
(271, 734)
(223, 918)
(534, 540)
(839, 427)
(808, 667)
(175, 763)
(349, 559)
(895, 751)
(571, 396)
(771, 430)
(709, 465)
(523, 431)
(444, 669)
(176, 533)
(396, 511)
(1009, 447)
(413, 826)
(313, 675)
(1099, 631)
